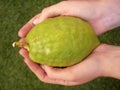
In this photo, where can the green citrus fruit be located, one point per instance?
(61, 41)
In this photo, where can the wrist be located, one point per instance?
(110, 62)
(110, 22)
(111, 71)
(109, 16)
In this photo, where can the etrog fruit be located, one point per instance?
(61, 41)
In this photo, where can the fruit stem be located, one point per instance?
(21, 44)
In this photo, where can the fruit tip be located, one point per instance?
(21, 44)
(14, 44)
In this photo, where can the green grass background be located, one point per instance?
(14, 74)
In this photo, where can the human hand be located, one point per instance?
(104, 61)
(103, 15)
(96, 15)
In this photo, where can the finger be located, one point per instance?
(58, 73)
(22, 40)
(54, 10)
(27, 27)
(35, 68)
(23, 52)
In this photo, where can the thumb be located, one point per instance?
(54, 10)
(70, 8)
(58, 73)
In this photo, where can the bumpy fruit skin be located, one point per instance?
(61, 41)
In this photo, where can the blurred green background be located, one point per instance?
(14, 74)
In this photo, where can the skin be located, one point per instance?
(104, 61)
